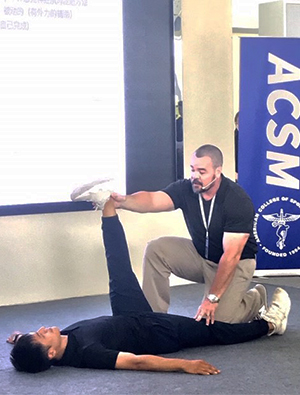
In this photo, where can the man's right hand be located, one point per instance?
(118, 199)
(199, 366)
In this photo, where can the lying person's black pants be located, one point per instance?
(127, 298)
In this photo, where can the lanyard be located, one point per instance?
(206, 224)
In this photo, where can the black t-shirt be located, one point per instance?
(96, 343)
(233, 212)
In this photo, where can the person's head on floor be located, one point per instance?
(35, 351)
(206, 168)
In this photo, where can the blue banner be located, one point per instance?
(269, 141)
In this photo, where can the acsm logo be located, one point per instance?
(275, 228)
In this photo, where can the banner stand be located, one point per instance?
(277, 273)
(269, 153)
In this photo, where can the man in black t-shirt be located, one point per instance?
(221, 253)
(134, 335)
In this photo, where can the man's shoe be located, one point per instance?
(264, 298)
(92, 192)
(277, 313)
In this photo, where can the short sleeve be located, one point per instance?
(96, 356)
(239, 215)
(177, 191)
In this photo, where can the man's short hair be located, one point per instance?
(211, 151)
(29, 356)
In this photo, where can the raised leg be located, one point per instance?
(126, 295)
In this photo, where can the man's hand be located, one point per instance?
(199, 366)
(118, 199)
(13, 337)
(206, 310)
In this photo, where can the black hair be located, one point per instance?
(213, 152)
(29, 356)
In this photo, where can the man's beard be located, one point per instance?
(203, 188)
(197, 190)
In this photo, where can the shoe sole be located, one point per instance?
(263, 294)
(81, 192)
(85, 194)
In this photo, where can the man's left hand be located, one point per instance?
(206, 310)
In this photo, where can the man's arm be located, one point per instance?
(144, 202)
(233, 245)
(159, 364)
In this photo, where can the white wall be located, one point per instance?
(245, 13)
(207, 78)
(54, 256)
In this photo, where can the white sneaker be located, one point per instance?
(92, 192)
(278, 312)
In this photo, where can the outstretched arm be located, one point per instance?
(144, 202)
(159, 364)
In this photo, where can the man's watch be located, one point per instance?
(213, 298)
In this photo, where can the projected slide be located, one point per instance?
(61, 97)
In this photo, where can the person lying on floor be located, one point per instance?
(134, 335)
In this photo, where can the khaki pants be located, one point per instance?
(177, 255)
